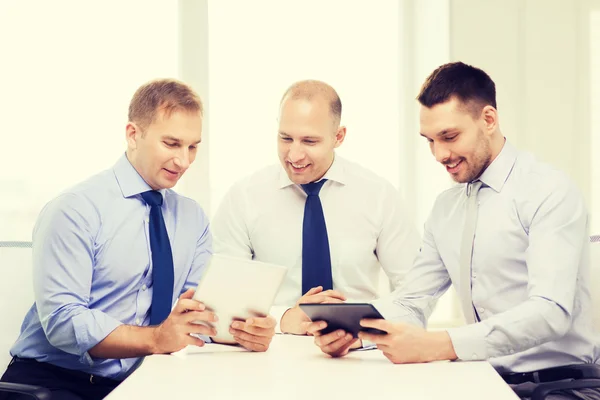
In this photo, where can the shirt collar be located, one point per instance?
(129, 180)
(336, 173)
(496, 174)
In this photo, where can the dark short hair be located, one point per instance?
(472, 86)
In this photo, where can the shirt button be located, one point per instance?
(481, 310)
(511, 351)
(474, 275)
(147, 220)
(138, 321)
(144, 287)
(474, 356)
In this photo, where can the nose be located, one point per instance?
(296, 152)
(183, 159)
(440, 152)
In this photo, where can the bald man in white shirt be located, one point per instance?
(367, 227)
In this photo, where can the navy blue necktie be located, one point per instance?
(162, 260)
(316, 260)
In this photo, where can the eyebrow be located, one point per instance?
(442, 133)
(303, 137)
(177, 140)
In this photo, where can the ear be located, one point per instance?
(489, 115)
(340, 135)
(132, 134)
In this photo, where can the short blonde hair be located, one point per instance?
(162, 97)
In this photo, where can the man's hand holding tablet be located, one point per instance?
(240, 292)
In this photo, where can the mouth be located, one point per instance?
(454, 167)
(298, 168)
(171, 174)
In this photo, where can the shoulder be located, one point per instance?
(187, 209)
(363, 177)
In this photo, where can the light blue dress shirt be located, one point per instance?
(92, 267)
(530, 268)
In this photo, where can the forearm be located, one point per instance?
(530, 324)
(126, 341)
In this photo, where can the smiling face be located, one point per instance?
(460, 139)
(308, 135)
(166, 148)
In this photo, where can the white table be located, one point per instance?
(294, 368)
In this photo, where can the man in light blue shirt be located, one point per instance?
(96, 266)
(511, 237)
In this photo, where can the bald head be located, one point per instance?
(312, 90)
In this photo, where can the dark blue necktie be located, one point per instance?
(316, 261)
(162, 260)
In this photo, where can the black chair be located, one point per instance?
(15, 280)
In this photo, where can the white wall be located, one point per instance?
(68, 71)
(537, 52)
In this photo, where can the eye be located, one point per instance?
(450, 138)
(310, 141)
(171, 144)
(285, 139)
(193, 147)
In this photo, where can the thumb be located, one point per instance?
(188, 294)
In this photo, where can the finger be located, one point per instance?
(188, 294)
(193, 316)
(194, 341)
(259, 347)
(372, 337)
(304, 326)
(314, 290)
(338, 346)
(334, 294)
(380, 324)
(390, 357)
(327, 339)
(253, 329)
(321, 298)
(248, 337)
(316, 327)
(184, 305)
(267, 322)
(332, 300)
(201, 329)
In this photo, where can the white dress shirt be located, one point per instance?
(368, 229)
(530, 268)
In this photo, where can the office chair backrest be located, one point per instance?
(16, 289)
(595, 278)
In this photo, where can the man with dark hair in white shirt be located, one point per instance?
(334, 224)
(511, 237)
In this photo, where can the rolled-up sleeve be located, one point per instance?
(63, 266)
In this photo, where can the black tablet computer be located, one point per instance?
(344, 316)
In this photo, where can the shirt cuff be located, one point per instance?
(91, 327)
(469, 341)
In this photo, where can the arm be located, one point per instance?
(63, 267)
(204, 246)
(414, 300)
(63, 254)
(557, 234)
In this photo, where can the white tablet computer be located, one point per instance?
(237, 289)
